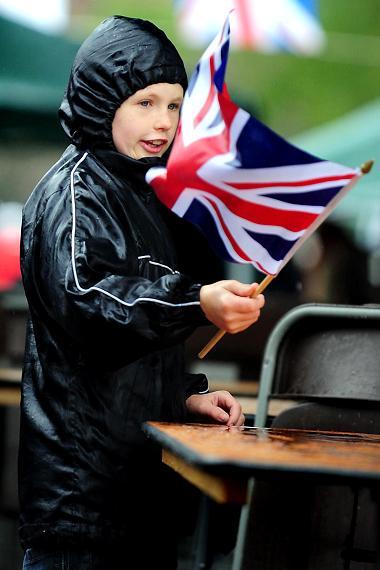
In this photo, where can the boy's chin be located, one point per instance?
(150, 155)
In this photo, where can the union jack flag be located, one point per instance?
(255, 196)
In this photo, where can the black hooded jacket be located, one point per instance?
(112, 279)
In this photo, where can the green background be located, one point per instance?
(290, 92)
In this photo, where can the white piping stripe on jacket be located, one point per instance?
(141, 299)
(173, 271)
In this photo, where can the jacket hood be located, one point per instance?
(121, 56)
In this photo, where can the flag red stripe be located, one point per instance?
(292, 220)
(211, 94)
(259, 266)
(160, 186)
(295, 183)
(234, 244)
(229, 108)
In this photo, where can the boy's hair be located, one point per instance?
(121, 56)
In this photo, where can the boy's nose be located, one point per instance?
(163, 121)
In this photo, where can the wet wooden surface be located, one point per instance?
(10, 375)
(239, 453)
(236, 387)
(10, 396)
(10, 382)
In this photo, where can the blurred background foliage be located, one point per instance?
(291, 93)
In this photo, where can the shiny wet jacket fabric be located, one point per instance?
(112, 280)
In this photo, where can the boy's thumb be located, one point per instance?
(243, 289)
(252, 287)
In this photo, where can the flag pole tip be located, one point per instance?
(366, 166)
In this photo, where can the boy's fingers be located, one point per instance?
(235, 415)
(230, 404)
(239, 422)
(241, 289)
(246, 304)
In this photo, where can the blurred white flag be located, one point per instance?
(262, 25)
(51, 16)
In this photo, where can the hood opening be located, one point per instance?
(121, 56)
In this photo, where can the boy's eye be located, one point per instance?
(173, 106)
(144, 103)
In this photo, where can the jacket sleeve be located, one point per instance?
(92, 287)
(205, 268)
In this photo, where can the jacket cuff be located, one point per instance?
(195, 294)
(196, 384)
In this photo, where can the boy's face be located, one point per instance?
(146, 123)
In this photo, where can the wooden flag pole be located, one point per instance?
(365, 168)
(216, 338)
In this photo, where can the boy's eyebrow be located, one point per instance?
(153, 93)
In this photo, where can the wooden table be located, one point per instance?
(247, 388)
(10, 384)
(222, 462)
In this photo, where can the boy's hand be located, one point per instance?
(219, 406)
(228, 304)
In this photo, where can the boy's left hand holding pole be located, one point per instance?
(229, 305)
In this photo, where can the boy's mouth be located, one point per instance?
(154, 146)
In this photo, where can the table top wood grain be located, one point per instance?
(258, 452)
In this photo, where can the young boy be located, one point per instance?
(115, 284)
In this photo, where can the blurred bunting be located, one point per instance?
(260, 25)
